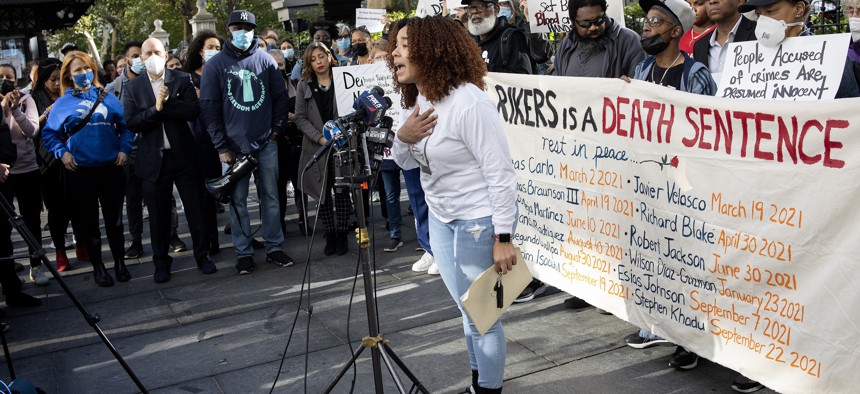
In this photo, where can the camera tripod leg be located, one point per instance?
(343, 370)
(17, 222)
(387, 361)
(389, 353)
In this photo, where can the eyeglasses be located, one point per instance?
(478, 8)
(655, 21)
(587, 24)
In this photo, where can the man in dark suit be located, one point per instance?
(712, 49)
(158, 108)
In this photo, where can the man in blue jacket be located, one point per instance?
(243, 101)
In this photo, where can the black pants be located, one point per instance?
(8, 279)
(133, 203)
(288, 162)
(55, 195)
(159, 196)
(26, 188)
(91, 187)
(210, 167)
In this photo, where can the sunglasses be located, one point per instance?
(655, 21)
(478, 7)
(594, 22)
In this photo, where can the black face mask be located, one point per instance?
(7, 86)
(654, 44)
(359, 49)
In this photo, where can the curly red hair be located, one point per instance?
(445, 55)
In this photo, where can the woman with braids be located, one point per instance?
(93, 154)
(202, 48)
(451, 130)
(315, 104)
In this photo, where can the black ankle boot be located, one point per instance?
(481, 390)
(342, 244)
(101, 275)
(330, 241)
(121, 272)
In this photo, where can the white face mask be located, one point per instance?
(209, 54)
(155, 64)
(771, 32)
(854, 26)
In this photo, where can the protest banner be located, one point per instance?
(351, 81)
(434, 7)
(553, 16)
(725, 226)
(370, 19)
(800, 68)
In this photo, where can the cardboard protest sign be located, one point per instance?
(553, 16)
(800, 68)
(725, 227)
(370, 18)
(351, 81)
(434, 7)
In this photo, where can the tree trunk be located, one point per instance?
(103, 51)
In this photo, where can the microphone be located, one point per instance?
(369, 107)
(333, 133)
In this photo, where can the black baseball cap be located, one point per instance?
(242, 16)
(750, 5)
(69, 46)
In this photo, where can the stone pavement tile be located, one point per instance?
(66, 328)
(167, 357)
(402, 305)
(206, 385)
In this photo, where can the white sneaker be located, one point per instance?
(424, 263)
(434, 269)
(38, 277)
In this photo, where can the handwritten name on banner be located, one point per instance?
(726, 227)
(800, 68)
(370, 18)
(553, 16)
(434, 7)
(351, 81)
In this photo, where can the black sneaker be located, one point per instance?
(393, 245)
(245, 265)
(743, 384)
(637, 342)
(280, 258)
(178, 245)
(684, 359)
(23, 300)
(134, 251)
(534, 289)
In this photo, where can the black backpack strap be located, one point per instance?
(102, 94)
(506, 36)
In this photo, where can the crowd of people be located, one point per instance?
(128, 132)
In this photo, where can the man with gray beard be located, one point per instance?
(597, 46)
(503, 47)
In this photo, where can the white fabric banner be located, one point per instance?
(799, 68)
(726, 226)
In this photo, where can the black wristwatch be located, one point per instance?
(503, 238)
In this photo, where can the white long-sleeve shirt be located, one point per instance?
(466, 168)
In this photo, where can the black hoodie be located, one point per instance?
(519, 61)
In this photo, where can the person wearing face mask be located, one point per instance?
(288, 50)
(852, 11)
(205, 45)
(781, 19)
(158, 108)
(93, 154)
(243, 101)
(20, 113)
(343, 41)
(361, 41)
(503, 47)
(134, 68)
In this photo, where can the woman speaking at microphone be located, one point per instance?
(451, 129)
(315, 104)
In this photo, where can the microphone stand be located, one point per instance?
(379, 349)
(17, 221)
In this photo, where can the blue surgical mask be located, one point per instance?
(209, 54)
(84, 81)
(137, 66)
(343, 43)
(289, 53)
(505, 12)
(242, 39)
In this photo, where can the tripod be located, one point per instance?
(379, 349)
(17, 221)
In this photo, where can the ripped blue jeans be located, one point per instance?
(463, 249)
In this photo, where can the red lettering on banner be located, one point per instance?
(803, 156)
(607, 104)
(830, 145)
(786, 141)
(760, 135)
(744, 117)
(724, 129)
(621, 116)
